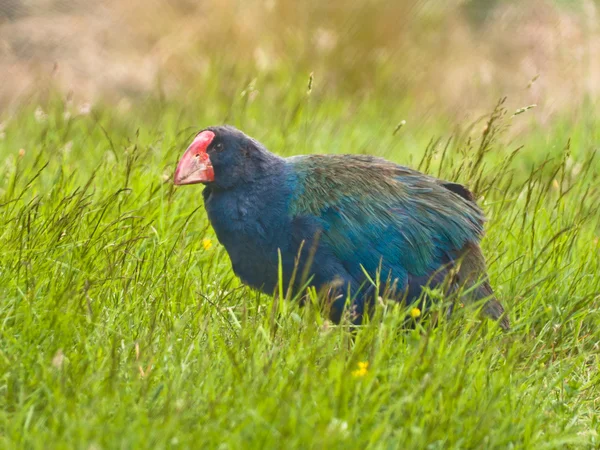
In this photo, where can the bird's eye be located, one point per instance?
(218, 146)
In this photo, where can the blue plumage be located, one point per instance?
(342, 216)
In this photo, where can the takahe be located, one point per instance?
(336, 218)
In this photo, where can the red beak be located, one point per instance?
(195, 166)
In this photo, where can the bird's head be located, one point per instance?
(223, 157)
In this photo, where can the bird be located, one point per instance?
(342, 221)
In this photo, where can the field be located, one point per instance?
(123, 326)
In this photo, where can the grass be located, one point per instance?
(122, 325)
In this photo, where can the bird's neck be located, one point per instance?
(260, 178)
(251, 221)
(264, 198)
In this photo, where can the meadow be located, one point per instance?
(122, 324)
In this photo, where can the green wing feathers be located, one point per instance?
(378, 215)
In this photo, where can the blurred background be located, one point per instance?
(451, 58)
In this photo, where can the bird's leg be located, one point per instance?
(472, 275)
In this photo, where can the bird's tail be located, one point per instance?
(472, 277)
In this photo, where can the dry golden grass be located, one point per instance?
(432, 54)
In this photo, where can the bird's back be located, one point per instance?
(381, 217)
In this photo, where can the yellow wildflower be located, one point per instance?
(363, 369)
(206, 244)
(415, 312)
